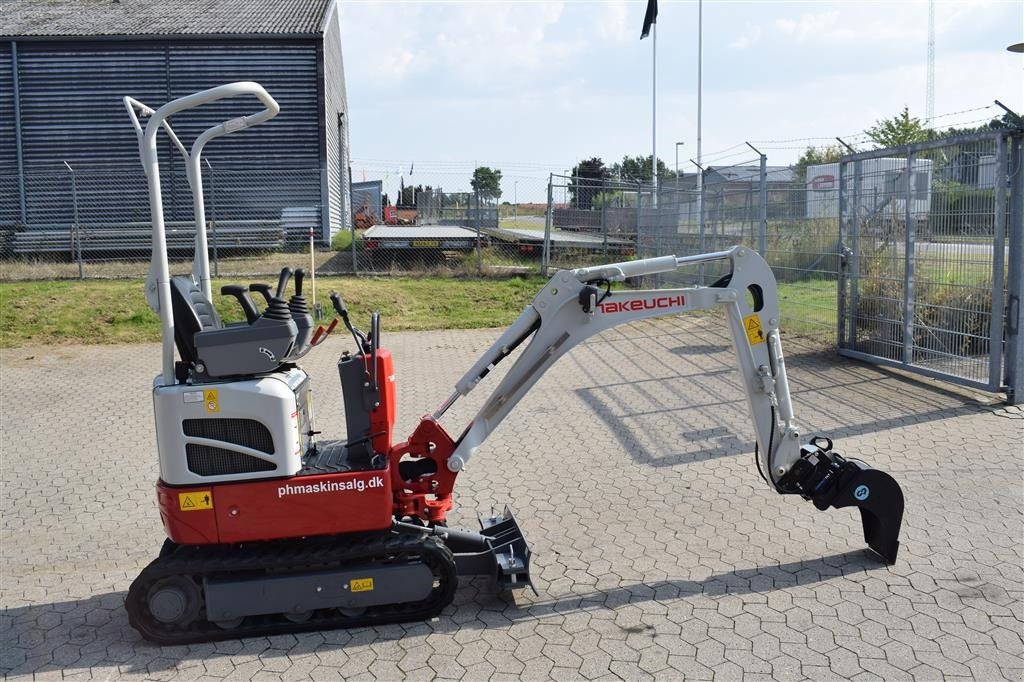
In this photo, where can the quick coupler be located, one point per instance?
(828, 479)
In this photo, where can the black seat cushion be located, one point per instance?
(192, 313)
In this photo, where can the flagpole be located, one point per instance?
(700, 59)
(654, 114)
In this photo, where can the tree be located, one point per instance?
(813, 156)
(487, 182)
(638, 169)
(899, 130)
(587, 181)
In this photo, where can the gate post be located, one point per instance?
(910, 231)
(851, 333)
(762, 239)
(844, 260)
(995, 344)
(545, 254)
(1015, 277)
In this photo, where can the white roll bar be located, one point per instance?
(158, 283)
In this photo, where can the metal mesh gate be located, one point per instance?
(923, 285)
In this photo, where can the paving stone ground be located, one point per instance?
(658, 550)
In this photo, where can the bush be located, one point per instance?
(950, 317)
(961, 209)
(342, 239)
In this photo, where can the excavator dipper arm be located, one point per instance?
(577, 304)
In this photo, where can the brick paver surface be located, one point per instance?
(658, 550)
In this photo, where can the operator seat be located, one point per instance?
(192, 313)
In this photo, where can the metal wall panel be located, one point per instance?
(71, 112)
(9, 208)
(336, 122)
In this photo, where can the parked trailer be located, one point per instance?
(882, 189)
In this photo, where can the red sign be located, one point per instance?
(822, 182)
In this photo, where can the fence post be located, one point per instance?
(479, 258)
(910, 233)
(854, 270)
(545, 255)
(995, 355)
(1015, 276)
(844, 259)
(213, 218)
(762, 241)
(604, 229)
(78, 225)
(701, 205)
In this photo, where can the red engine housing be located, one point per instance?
(276, 508)
(321, 504)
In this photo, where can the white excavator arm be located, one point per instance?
(577, 304)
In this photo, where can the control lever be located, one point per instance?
(321, 333)
(262, 289)
(239, 292)
(300, 275)
(339, 307)
(282, 282)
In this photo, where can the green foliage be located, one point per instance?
(899, 130)
(614, 200)
(487, 183)
(814, 156)
(342, 239)
(958, 209)
(638, 169)
(587, 177)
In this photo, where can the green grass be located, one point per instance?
(103, 311)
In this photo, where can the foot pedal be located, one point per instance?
(828, 479)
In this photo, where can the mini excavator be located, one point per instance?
(270, 530)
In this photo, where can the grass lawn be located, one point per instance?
(104, 311)
(114, 311)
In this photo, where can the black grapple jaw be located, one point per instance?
(830, 480)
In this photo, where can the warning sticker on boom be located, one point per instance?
(752, 323)
(361, 584)
(195, 501)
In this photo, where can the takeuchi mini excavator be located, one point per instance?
(270, 530)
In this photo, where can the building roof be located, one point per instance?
(750, 174)
(142, 18)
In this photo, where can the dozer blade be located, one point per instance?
(830, 480)
(498, 551)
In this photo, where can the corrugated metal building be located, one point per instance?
(64, 66)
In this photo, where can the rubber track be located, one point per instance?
(291, 556)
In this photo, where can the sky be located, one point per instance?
(533, 87)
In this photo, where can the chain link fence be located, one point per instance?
(95, 221)
(915, 274)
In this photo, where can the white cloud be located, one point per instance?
(612, 23)
(748, 38)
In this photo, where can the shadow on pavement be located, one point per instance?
(95, 631)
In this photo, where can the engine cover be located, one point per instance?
(234, 430)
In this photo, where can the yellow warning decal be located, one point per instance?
(196, 500)
(211, 400)
(752, 323)
(361, 585)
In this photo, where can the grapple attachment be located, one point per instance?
(827, 479)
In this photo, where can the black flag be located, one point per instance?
(650, 18)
